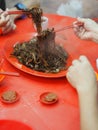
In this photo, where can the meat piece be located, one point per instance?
(9, 95)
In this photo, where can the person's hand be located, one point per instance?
(81, 74)
(2, 19)
(6, 22)
(89, 29)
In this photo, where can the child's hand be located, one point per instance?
(81, 74)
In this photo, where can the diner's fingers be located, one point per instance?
(70, 68)
(74, 62)
(75, 23)
(83, 58)
(2, 21)
(9, 28)
(81, 33)
(5, 31)
(4, 13)
(7, 18)
(67, 76)
(76, 28)
(8, 25)
(70, 79)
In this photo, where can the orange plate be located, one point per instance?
(42, 98)
(1, 76)
(10, 102)
(8, 49)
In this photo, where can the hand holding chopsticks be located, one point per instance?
(88, 30)
(71, 26)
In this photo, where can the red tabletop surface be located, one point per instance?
(63, 115)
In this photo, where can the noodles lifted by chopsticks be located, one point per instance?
(36, 13)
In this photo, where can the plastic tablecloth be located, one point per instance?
(29, 113)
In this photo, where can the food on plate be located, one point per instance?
(41, 53)
(9, 96)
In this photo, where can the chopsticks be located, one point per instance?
(10, 74)
(17, 12)
(64, 28)
(67, 27)
(26, 12)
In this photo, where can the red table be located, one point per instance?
(63, 115)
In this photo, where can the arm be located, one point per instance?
(89, 109)
(86, 86)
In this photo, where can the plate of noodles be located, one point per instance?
(18, 62)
